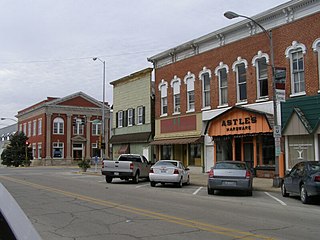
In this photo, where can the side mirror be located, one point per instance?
(187, 169)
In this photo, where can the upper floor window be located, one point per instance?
(222, 72)
(164, 98)
(316, 48)
(189, 81)
(39, 126)
(58, 125)
(175, 84)
(205, 76)
(20, 127)
(25, 128)
(119, 119)
(130, 117)
(29, 129)
(240, 67)
(96, 128)
(260, 61)
(141, 114)
(34, 131)
(78, 128)
(295, 54)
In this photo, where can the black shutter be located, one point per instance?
(133, 117)
(116, 120)
(125, 118)
(143, 115)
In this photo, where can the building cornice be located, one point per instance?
(270, 19)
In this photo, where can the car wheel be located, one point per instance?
(179, 184)
(108, 179)
(210, 191)
(136, 178)
(152, 184)
(304, 195)
(284, 190)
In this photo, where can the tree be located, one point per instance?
(17, 152)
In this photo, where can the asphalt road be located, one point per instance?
(63, 204)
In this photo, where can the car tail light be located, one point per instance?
(211, 173)
(151, 170)
(317, 178)
(102, 164)
(248, 174)
(176, 171)
(131, 166)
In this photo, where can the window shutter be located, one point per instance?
(143, 115)
(133, 117)
(116, 120)
(125, 118)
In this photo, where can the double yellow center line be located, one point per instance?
(233, 233)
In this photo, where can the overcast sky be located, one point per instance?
(47, 46)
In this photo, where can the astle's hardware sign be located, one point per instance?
(239, 124)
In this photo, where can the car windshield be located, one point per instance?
(166, 163)
(314, 167)
(227, 165)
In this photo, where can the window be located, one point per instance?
(78, 128)
(29, 129)
(39, 126)
(20, 127)
(96, 128)
(57, 149)
(130, 117)
(25, 128)
(58, 125)
(260, 61)
(141, 115)
(120, 119)
(34, 131)
(240, 67)
(39, 150)
(95, 150)
(189, 81)
(175, 84)
(34, 150)
(205, 76)
(195, 154)
(221, 72)
(316, 48)
(295, 54)
(164, 98)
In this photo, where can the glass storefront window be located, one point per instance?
(268, 150)
(195, 155)
(166, 152)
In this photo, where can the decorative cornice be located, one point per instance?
(295, 45)
(221, 66)
(239, 61)
(258, 56)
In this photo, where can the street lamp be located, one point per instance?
(231, 15)
(103, 103)
(5, 118)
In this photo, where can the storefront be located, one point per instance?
(246, 135)
(301, 130)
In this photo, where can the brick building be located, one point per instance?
(220, 86)
(64, 130)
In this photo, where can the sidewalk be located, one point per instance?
(259, 184)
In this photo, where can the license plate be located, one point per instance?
(116, 173)
(228, 183)
(163, 171)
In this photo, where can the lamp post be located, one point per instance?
(231, 15)
(103, 105)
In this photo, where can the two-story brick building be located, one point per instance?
(63, 130)
(220, 86)
(133, 108)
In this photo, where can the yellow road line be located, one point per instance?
(142, 212)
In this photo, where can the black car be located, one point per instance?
(303, 179)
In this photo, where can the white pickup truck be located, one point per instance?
(127, 166)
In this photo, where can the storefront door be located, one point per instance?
(248, 154)
(77, 151)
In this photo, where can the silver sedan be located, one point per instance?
(169, 171)
(230, 175)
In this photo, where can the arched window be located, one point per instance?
(189, 81)
(175, 84)
(295, 54)
(240, 68)
(260, 61)
(163, 86)
(316, 48)
(222, 72)
(205, 76)
(58, 125)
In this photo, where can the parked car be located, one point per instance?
(127, 166)
(230, 175)
(303, 180)
(169, 171)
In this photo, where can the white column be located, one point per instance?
(88, 135)
(286, 149)
(48, 138)
(316, 147)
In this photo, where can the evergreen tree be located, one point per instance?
(17, 152)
